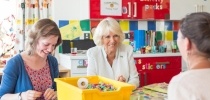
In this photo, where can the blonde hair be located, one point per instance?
(106, 26)
(42, 28)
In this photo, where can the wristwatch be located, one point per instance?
(19, 96)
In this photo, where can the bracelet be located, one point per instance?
(19, 96)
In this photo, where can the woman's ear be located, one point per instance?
(187, 44)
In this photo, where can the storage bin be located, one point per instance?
(67, 89)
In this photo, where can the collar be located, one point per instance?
(105, 55)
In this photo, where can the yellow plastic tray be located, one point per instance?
(67, 89)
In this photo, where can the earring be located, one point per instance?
(188, 56)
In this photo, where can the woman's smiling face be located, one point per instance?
(111, 42)
(46, 45)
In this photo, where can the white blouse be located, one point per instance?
(190, 85)
(123, 64)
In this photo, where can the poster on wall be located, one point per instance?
(70, 29)
(111, 7)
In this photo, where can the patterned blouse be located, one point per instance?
(40, 79)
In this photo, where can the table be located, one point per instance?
(64, 72)
(156, 91)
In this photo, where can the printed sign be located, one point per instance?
(154, 9)
(111, 7)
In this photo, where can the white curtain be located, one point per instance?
(7, 30)
(7, 36)
(28, 12)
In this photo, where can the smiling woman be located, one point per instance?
(110, 58)
(35, 67)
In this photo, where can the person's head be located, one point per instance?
(43, 37)
(108, 33)
(194, 35)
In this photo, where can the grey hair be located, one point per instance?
(106, 26)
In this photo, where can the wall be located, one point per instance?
(67, 11)
(80, 29)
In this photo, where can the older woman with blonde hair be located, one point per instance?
(110, 58)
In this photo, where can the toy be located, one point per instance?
(101, 86)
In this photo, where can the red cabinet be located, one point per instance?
(157, 69)
(135, 9)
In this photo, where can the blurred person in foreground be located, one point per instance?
(110, 58)
(194, 45)
(30, 74)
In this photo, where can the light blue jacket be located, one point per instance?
(15, 78)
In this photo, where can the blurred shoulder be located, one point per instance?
(50, 57)
(125, 47)
(15, 59)
(14, 63)
(94, 50)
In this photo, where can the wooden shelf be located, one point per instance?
(64, 72)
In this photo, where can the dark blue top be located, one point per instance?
(15, 78)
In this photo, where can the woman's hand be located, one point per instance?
(121, 79)
(31, 95)
(50, 94)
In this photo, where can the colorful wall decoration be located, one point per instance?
(78, 29)
(73, 29)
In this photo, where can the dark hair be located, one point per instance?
(196, 27)
(42, 28)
